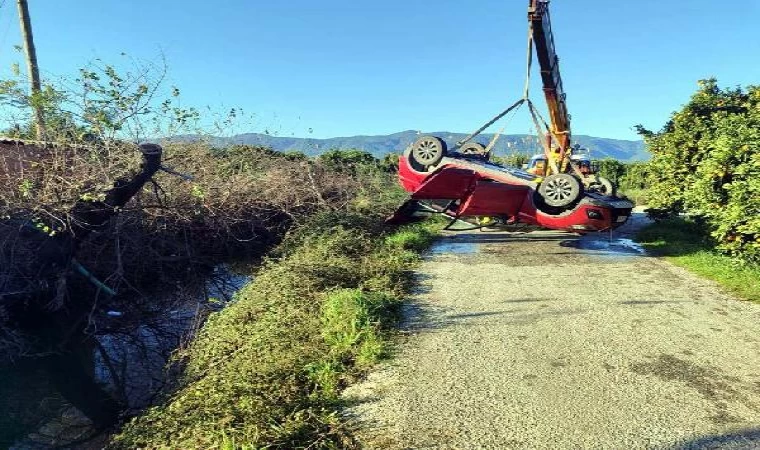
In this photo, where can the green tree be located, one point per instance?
(635, 176)
(512, 160)
(347, 160)
(389, 163)
(612, 169)
(706, 162)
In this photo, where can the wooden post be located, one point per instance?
(31, 64)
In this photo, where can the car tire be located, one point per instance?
(605, 186)
(560, 190)
(428, 151)
(473, 148)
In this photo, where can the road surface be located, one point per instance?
(550, 341)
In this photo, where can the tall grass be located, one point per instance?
(267, 370)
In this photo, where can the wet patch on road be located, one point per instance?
(452, 246)
(603, 246)
(509, 249)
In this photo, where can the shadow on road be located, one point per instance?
(746, 439)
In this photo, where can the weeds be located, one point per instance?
(267, 370)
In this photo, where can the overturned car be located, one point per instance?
(466, 187)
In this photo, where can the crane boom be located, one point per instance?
(556, 99)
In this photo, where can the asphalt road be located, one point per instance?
(550, 341)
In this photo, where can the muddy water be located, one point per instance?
(45, 406)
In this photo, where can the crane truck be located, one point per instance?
(560, 190)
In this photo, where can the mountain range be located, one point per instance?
(381, 145)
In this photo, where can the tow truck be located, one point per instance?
(463, 184)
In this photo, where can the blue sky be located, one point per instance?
(340, 67)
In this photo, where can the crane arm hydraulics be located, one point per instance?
(543, 39)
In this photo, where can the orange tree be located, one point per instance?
(706, 162)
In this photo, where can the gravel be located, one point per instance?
(550, 341)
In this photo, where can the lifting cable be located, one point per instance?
(492, 144)
(545, 144)
(491, 122)
(528, 63)
(552, 135)
(538, 120)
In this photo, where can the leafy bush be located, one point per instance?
(636, 176)
(631, 178)
(512, 160)
(612, 169)
(634, 183)
(347, 160)
(706, 162)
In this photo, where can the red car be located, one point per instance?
(468, 187)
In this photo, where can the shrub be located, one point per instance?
(706, 162)
(347, 160)
(512, 160)
(612, 169)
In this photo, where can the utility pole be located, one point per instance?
(31, 65)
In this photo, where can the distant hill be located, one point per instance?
(396, 143)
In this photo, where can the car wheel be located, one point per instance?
(428, 151)
(560, 189)
(473, 148)
(604, 186)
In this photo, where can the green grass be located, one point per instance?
(267, 371)
(409, 239)
(683, 243)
